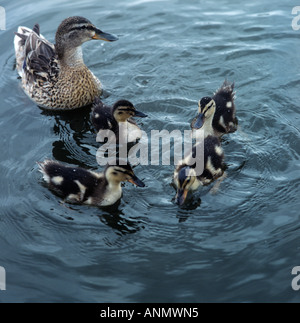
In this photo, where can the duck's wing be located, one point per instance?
(213, 159)
(211, 154)
(36, 59)
(74, 184)
(225, 120)
(102, 118)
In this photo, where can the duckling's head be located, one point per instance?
(74, 31)
(122, 173)
(123, 110)
(184, 180)
(206, 111)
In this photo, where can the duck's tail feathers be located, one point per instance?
(27, 41)
(20, 39)
(227, 89)
(44, 168)
(97, 103)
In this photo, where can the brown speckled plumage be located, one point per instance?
(74, 88)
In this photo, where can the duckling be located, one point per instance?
(106, 117)
(225, 120)
(80, 186)
(55, 76)
(186, 177)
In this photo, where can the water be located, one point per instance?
(240, 244)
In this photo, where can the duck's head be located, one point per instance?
(206, 110)
(74, 31)
(123, 110)
(122, 173)
(184, 180)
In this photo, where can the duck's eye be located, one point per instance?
(120, 112)
(115, 173)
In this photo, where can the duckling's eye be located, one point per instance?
(115, 173)
(73, 35)
(120, 112)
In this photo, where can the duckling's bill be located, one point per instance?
(136, 181)
(199, 121)
(181, 196)
(101, 35)
(140, 114)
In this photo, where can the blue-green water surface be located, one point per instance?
(237, 245)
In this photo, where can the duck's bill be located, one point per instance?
(199, 121)
(136, 181)
(140, 114)
(101, 35)
(181, 196)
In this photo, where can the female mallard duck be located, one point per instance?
(224, 120)
(186, 176)
(117, 119)
(55, 76)
(80, 186)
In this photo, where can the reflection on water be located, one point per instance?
(236, 244)
(76, 137)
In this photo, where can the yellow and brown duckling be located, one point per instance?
(225, 120)
(55, 76)
(80, 186)
(186, 175)
(118, 119)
